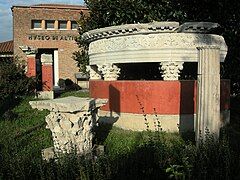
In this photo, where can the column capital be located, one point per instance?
(171, 70)
(46, 59)
(110, 71)
(93, 72)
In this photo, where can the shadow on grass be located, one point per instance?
(6, 107)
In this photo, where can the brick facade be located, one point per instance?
(55, 39)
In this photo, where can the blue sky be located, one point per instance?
(6, 14)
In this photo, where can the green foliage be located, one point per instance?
(104, 13)
(110, 12)
(13, 83)
(20, 144)
(129, 155)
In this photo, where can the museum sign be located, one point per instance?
(52, 37)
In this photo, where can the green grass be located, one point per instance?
(75, 93)
(25, 119)
(129, 154)
(22, 138)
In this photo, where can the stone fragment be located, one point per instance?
(71, 122)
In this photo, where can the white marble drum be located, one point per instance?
(168, 43)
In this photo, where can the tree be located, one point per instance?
(104, 13)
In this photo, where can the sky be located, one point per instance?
(6, 13)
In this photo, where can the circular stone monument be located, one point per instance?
(169, 102)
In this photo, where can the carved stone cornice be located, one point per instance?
(130, 29)
(28, 50)
(154, 27)
(198, 27)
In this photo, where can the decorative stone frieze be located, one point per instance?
(198, 27)
(71, 121)
(128, 29)
(208, 99)
(152, 47)
(171, 70)
(93, 72)
(110, 71)
(148, 28)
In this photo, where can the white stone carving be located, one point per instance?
(171, 70)
(152, 47)
(93, 72)
(28, 50)
(122, 30)
(208, 92)
(110, 71)
(71, 121)
(46, 59)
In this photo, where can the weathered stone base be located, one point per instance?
(45, 95)
(169, 123)
(83, 84)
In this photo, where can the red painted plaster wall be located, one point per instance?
(31, 66)
(47, 77)
(160, 97)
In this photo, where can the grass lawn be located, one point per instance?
(27, 126)
(129, 154)
(26, 129)
(75, 93)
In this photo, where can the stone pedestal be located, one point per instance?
(47, 72)
(71, 121)
(208, 93)
(110, 72)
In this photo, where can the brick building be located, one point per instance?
(44, 35)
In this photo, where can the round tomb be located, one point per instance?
(145, 104)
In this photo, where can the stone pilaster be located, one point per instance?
(171, 70)
(110, 72)
(93, 72)
(31, 70)
(208, 92)
(47, 72)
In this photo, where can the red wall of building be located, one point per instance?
(31, 66)
(47, 77)
(160, 97)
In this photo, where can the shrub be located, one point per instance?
(68, 85)
(13, 83)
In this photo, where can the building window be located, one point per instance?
(49, 24)
(62, 24)
(74, 25)
(36, 24)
